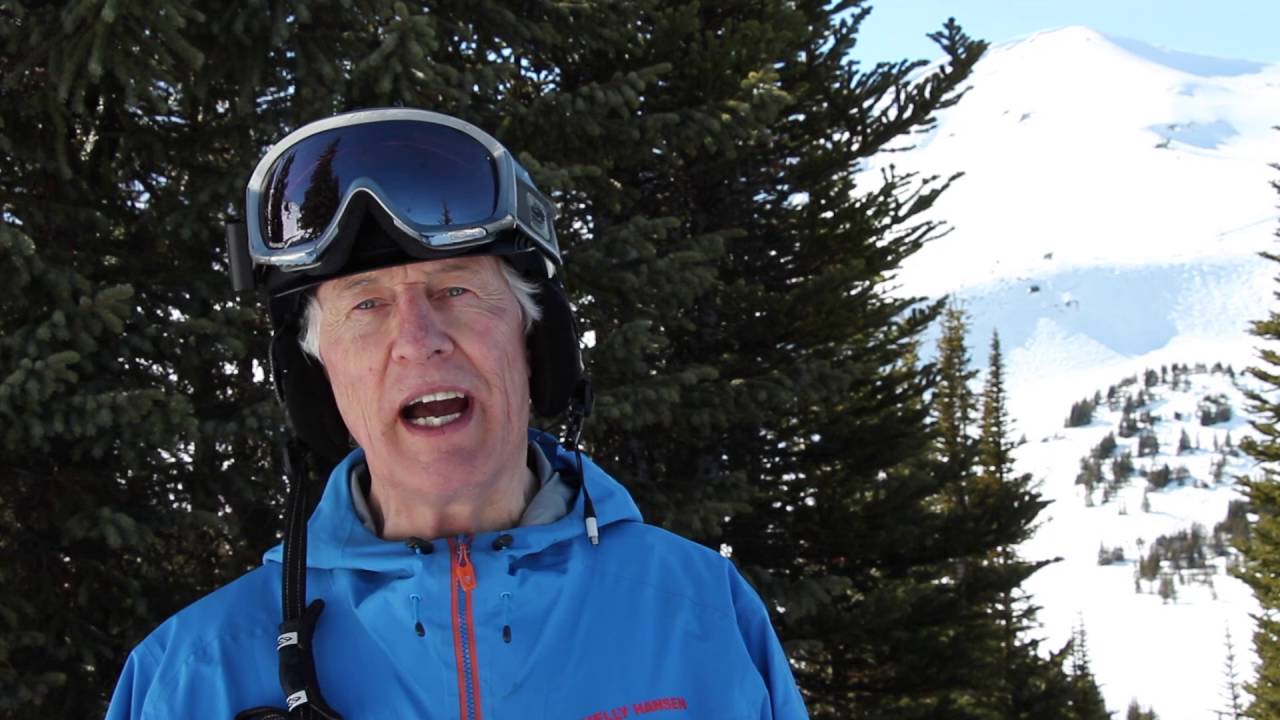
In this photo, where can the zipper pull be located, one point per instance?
(417, 619)
(506, 616)
(464, 571)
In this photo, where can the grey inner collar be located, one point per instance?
(552, 501)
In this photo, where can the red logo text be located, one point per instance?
(641, 708)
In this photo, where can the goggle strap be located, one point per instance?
(536, 214)
(240, 265)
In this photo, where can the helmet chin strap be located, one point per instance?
(295, 643)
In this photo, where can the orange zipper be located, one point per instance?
(464, 642)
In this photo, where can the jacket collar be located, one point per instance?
(336, 538)
(552, 500)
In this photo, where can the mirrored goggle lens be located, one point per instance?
(429, 175)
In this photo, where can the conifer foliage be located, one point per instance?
(1086, 698)
(1261, 569)
(135, 480)
(988, 510)
(757, 382)
(1029, 683)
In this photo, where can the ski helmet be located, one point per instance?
(383, 187)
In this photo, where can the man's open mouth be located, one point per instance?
(435, 409)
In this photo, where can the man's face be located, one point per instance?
(428, 367)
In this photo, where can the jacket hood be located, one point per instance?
(336, 539)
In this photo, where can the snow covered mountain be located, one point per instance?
(1114, 200)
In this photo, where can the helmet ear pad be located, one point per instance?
(302, 386)
(554, 356)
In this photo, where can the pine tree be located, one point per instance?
(746, 343)
(139, 429)
(982, 510)
(1261, 566)
(1148, 444)
(953, 400)
(1135, 712)
(994, 448)
(136, 481)
(748, 347)
(1105, 447)
(1090, 476)
(72, 406)
(1233, 700)
(1128, 425)
(1086, 697)
(1122, 468)
(1023, 684)
(1081, 413)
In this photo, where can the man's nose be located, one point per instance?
(420, 330)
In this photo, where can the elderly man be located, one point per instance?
(462, 565)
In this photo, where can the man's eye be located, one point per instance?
(455, 291)
(366, 304)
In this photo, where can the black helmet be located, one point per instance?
(377, 188)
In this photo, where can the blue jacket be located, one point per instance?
(541, 624)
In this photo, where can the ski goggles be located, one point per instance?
(438, 178)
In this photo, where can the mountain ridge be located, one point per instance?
(1202, 65)
(1070, 193)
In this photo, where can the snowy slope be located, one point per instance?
(1114, 200)
(1169, 655)
(1060, 139)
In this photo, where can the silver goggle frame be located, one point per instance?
(519, 204)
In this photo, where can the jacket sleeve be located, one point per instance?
(766, 652)
(129, 698)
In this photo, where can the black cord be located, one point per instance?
(579, 411)
(295, 643)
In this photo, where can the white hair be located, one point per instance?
(523, 290)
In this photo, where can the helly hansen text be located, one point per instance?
(640, 708)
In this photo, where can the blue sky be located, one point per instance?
(1239, 29)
